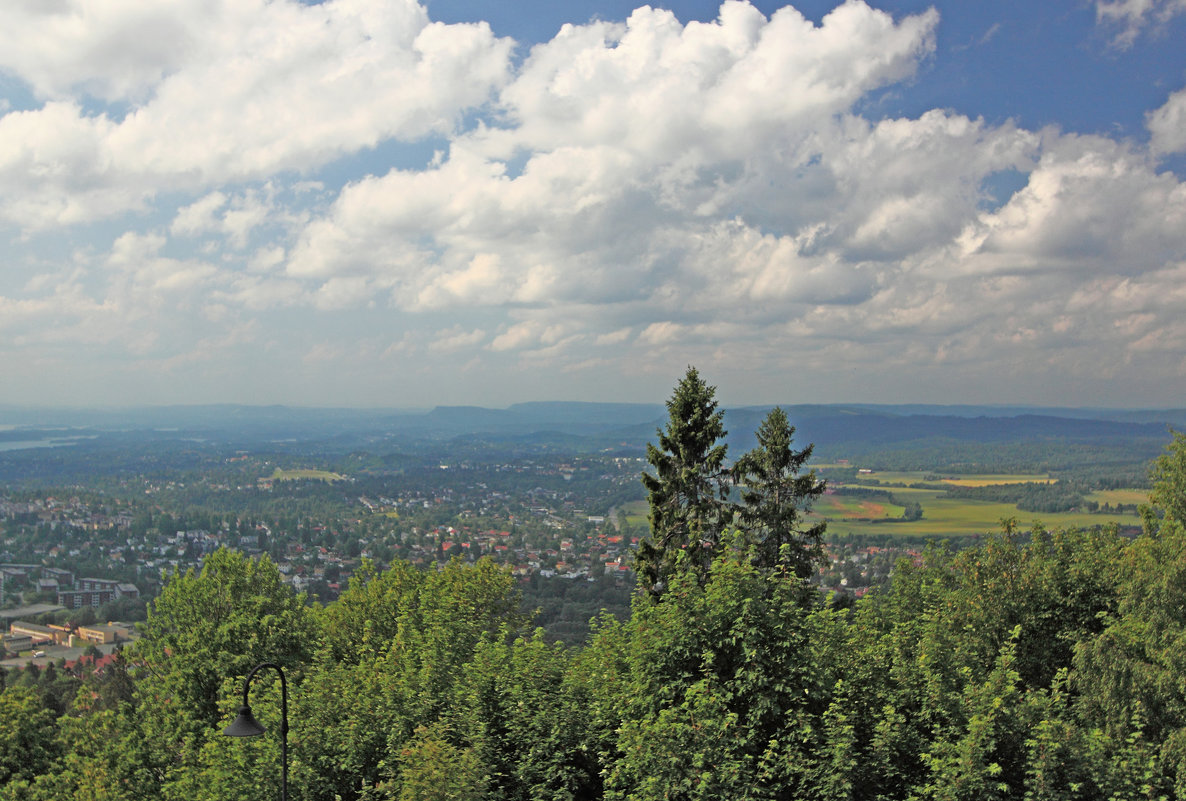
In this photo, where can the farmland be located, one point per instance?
(313, 475)
(955, 517)
(943, 516)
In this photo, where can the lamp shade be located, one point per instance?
(245, 725)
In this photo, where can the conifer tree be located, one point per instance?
(688, 486)
(775, 497)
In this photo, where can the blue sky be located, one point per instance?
(386, 203)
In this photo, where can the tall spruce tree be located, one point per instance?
(775, 497)
(688, 486)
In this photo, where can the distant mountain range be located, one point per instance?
(596, 425)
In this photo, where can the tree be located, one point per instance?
(687, 489)
(433, 769)
(205, 631)
(775, 497)
(1169, 479)
(27, 735)
(396, 646)
(204, 628)
(722, 688)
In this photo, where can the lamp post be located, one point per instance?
(245, 725)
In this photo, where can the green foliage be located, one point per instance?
(1136, 663)
(982, 758)
(204, 633)
(397, 651)
(724, 684)
(431, 768)
(223, 621)
(1169, 479)
(1029, 496)
(28, 745)
(527, 722)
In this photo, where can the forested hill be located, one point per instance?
(65, 444)
(600, 423)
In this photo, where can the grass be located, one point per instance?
(959, 517)
(636, 512)
(294, 475)
(943, 516)
(1125, 496)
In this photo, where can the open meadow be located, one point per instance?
(296, 475)
(956, 517)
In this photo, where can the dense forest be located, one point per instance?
(1037, 665)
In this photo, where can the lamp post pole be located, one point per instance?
(245, 725)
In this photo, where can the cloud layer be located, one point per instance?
(626, 198)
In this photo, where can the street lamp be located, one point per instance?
(245, 725)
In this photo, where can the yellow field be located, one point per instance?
(293, 475)
(907, 477)
(990, 480)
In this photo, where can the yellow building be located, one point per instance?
(103, 634)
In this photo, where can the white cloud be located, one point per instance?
(606, 187)
(1090, 206)
(456, 338)
(231, 102)
(762, 215)
(637, 195)
(615, 337)
(113, 49)
(1132, 17)
(1167, 125)
(199, 216)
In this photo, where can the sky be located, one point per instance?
(398, 204)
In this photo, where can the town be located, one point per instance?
(76, 559)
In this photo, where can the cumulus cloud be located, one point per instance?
(607, 191)
(215, 96)
(633, 195)
(216, 213)
(1167, 125)
(761, 213)
(1091, 205)
(1131, 17)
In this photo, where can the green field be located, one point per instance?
(943, 516)
(957, 517)
(1125, 496)
(636, 512)
(294, 475)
